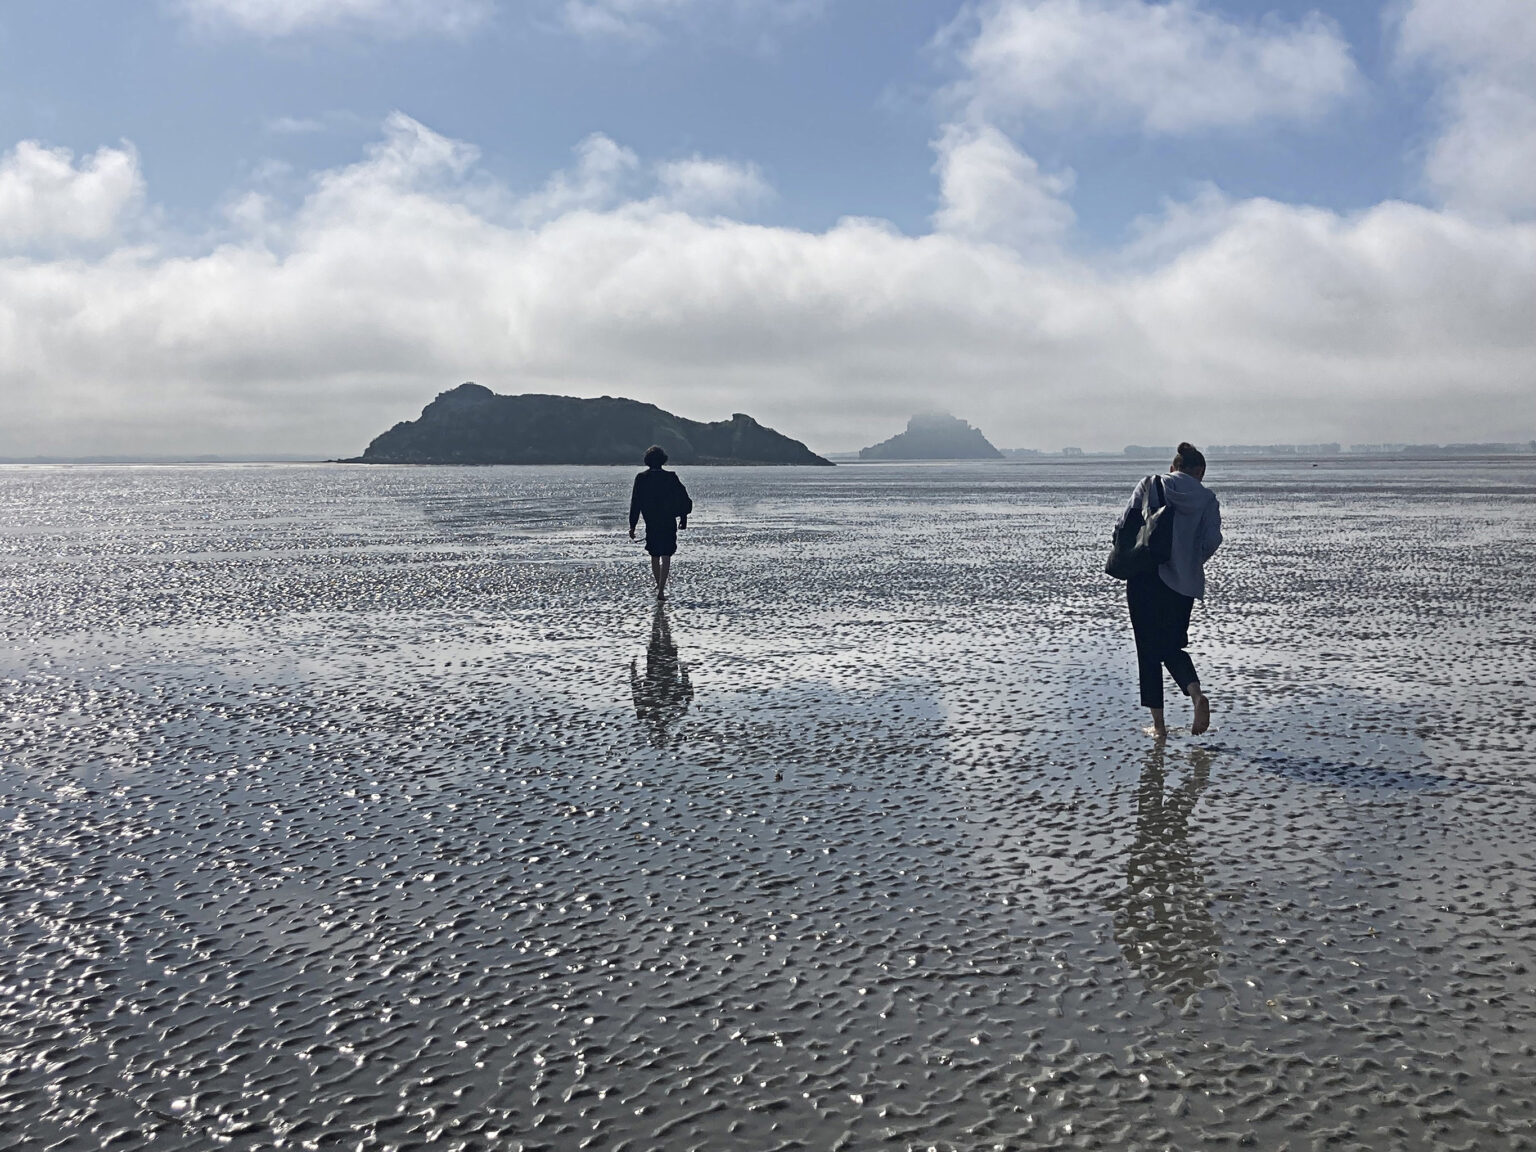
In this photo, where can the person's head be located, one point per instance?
(1189, 459)
(654, 456)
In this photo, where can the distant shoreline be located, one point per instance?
(1238, 458)
(275, 458)
(842, 459)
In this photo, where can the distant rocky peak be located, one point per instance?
(471, 424)
(468, 390)
(937, 420)
(466, 395)
(934, 435)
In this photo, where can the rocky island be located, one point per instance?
(934, 436)
(471, 424)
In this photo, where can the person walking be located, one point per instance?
(659, 497)
(1161, 600)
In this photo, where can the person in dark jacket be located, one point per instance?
(661, 498)
(1160, 601)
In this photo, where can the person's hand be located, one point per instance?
(682, 522)
(631, 532)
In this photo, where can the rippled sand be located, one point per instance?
(378, 808)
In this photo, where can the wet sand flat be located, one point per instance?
(380, 808)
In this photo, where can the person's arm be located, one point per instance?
(1210, 535)
(634, 507)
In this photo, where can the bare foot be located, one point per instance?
(1156, 731)
(1202, 720)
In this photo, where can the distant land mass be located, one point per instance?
(471, 424)
(934, 436)
(1487, 448)
(173, 458)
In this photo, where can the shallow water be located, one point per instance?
(376, 807)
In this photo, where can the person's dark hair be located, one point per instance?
(1188, 458)
(654, 456)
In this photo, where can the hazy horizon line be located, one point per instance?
(1319, 451)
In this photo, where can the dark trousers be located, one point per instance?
(1160, 622)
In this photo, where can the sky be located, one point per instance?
(279, 226)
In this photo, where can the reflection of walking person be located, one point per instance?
(1160, 600)
(1163, 919)
(663, 694)
(661, 498)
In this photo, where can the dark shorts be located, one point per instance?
(661, 538)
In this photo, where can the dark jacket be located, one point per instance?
(658, 496)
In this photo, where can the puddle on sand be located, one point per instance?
(411, 839)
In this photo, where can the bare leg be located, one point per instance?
(656, 573)
(666, 570)
(1159, 728)
(1202, 720)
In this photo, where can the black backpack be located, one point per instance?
(1144, 539)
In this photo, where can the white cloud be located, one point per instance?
(608, 175)
(47, 200)
(389, 284)
(628, 19)
(645, 20)
(703, 185)
(1179, 226)
(1484, 52)
(409, 155)
(294, 125)
(1168, 68)
(279, 18)
(331, 121)
(603, 172)
(1399, 307)
(993, 192)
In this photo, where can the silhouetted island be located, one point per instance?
(934, 436)
(471, 424)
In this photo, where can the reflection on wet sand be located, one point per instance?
(1163, 920)
(325, 822)
(663, 694)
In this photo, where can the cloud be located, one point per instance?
(332, 121)
(394, 18)
(1325, 314)
(645, 21)
(47, 201)
(294, 125)
(1167, 68)
(607, 175)
(602, 173)
(1178, 227)
(391, 282)
(993, 192)
(626, 19)
(1484, 54)
(702, 185)
(410, 155)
